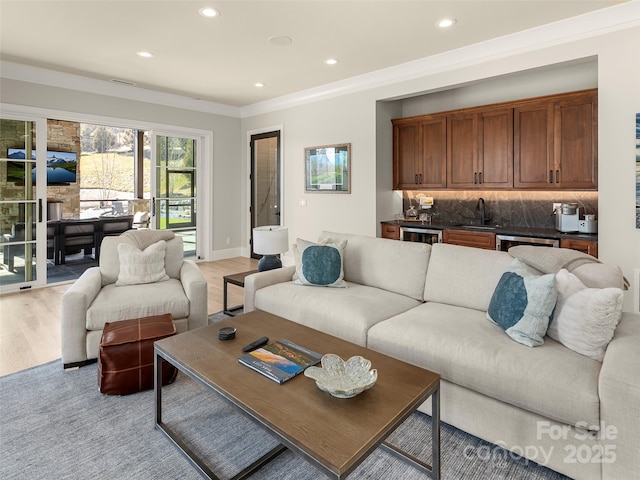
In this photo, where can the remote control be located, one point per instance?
(255, 344)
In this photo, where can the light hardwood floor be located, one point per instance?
(30, 320)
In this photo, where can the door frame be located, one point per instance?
(249, 222)
(40, 198)
(204, 185)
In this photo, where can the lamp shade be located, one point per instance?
(270, 240)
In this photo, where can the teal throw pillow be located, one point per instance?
(523, 302)
(319, 264)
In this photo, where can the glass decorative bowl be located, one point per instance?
(343, 379)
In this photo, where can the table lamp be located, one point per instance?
(269, 241)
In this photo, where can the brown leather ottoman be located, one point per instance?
(125, 359)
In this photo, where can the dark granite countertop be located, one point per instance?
(498, 230)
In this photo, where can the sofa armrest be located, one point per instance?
(619, 388)
(259, 280)
(195, 287)
(73, 323)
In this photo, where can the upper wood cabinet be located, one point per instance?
(533, 145)
(419, 153)
(575, 145)
(555, 144)
(545, 143)
(480, 149)
(462, 150)
(495, 148)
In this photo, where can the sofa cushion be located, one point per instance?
(465, 349)
(464, 276)
(141, 266)
(523, 303)
(391, 265)
(137, 301)
(346, 313)
(585, 319)
(319, 265)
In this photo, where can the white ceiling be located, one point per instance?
(220, 59)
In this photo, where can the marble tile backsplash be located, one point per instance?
(513, 208)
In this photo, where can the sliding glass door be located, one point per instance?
(23, 241)
(174, 183)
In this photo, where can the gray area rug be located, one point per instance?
(218, 317)
(56, 425)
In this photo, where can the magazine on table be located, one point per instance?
(281, 360)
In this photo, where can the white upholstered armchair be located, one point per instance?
(109, 293)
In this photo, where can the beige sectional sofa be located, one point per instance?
(427, 306)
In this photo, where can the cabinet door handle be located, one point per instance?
(416, 179)
(550, 176)
(475, 177)
(557, 176)
(480, 177)
(420, 178)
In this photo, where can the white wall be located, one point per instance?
(224, 209)
(341, 120)
(548, 80)
(351, 118)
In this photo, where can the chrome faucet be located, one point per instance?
(483, 211)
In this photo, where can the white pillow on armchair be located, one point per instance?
(141, 266)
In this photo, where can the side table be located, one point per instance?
(235, 279)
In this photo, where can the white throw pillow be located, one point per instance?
(585, 319)
(141, 266)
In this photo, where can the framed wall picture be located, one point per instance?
(328, 169)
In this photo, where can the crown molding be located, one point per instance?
(592, 24)
(27, 73)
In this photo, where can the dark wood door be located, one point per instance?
(433, 147)
(390, 231)
(590, 247)
(533, 145)
(575, 137)
(465, 238)
(495, 148)
(462, 150)
(406, 161)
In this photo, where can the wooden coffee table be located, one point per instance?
(335, 435)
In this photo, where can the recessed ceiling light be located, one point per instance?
(209, 12)
(144, 54)
(280, 40)
(446, 22)
(331, 61)
(258, 84)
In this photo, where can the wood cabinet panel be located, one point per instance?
(390, 231)
(462, 150)
(495, 148)
(420, 149)
(405, 155)
(533, 145)
(470, 239)
(590, 247)
(433, 147)
(575, 142)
